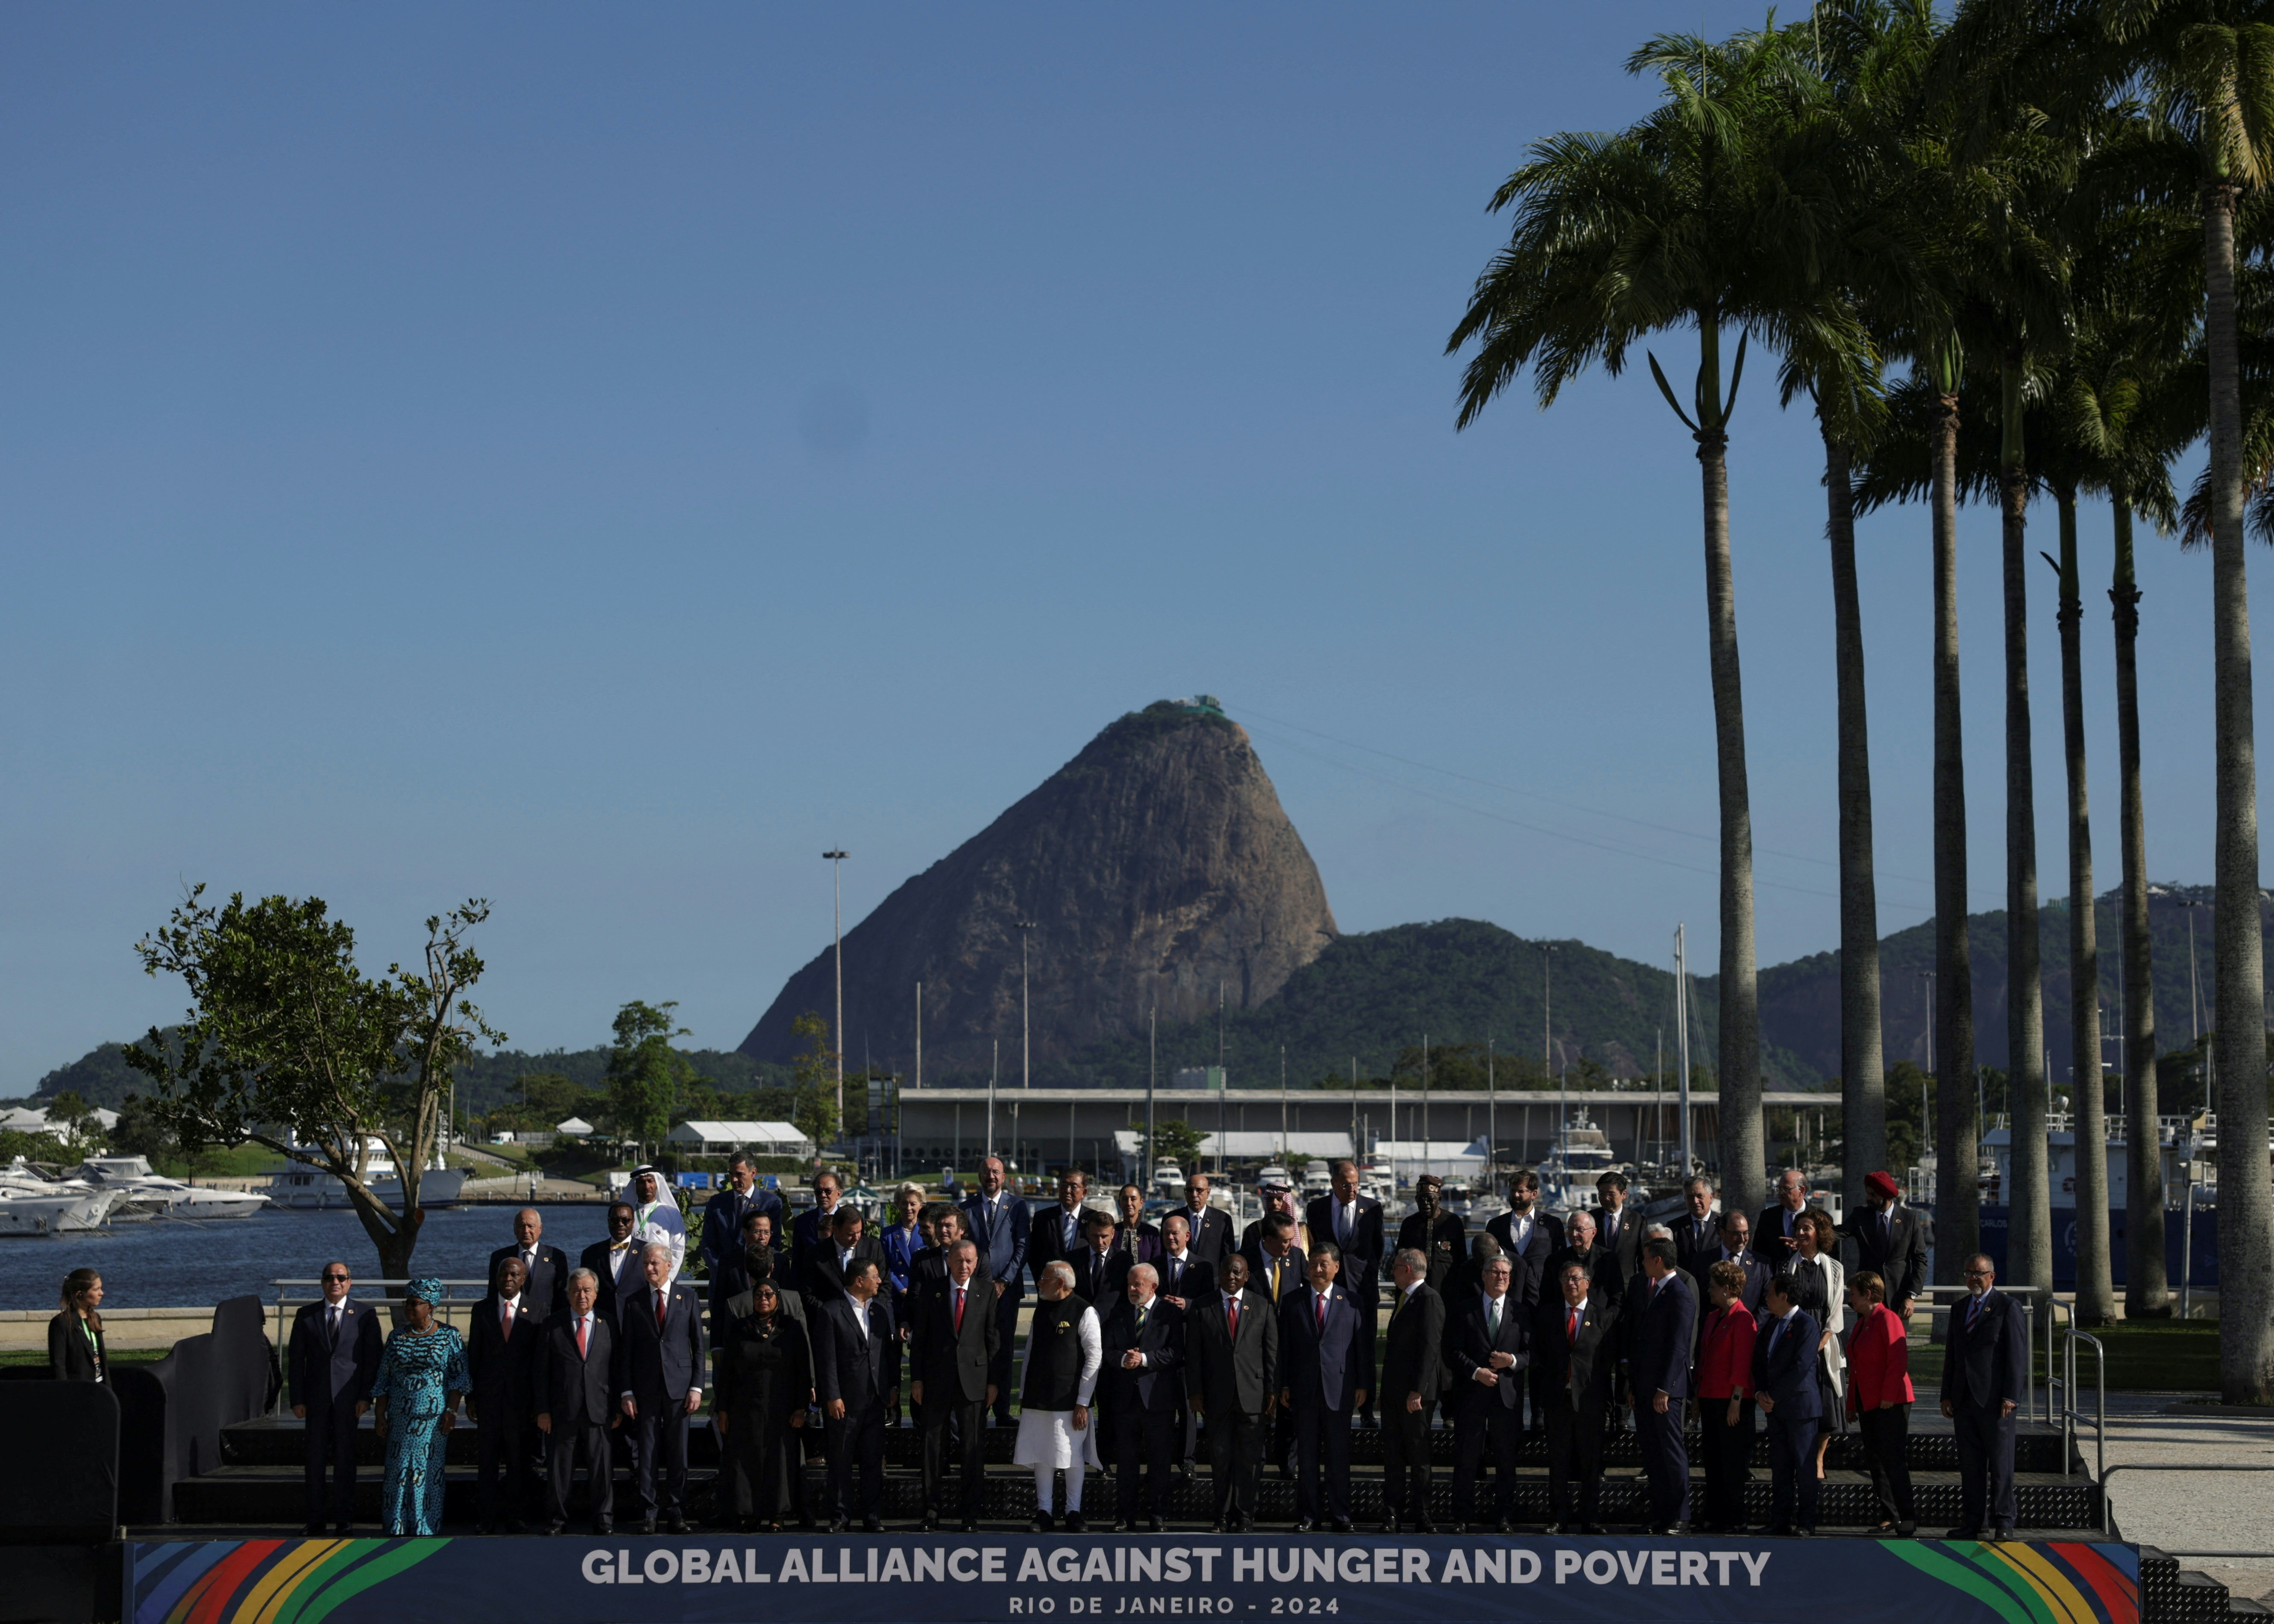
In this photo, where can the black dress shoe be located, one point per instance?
(1906, 1530)
(647, 1525)
(1961, 1533)
(343, 1529)
(1125, 1525)
(1304, 1525)
(555, 1529)
(1342, 1525)
(1553, 1530)
(603, 1529)
(1154, 1523)
(971, 1525)
(515, 1525)
(1389, 1524)
(1595, 1529)
(872, 1526)
(1075, 1524)
(1999, 1536)
(1506, 1525)
(838, 1525)
(932, 1522)
(311, 1530)
(1041, 1523)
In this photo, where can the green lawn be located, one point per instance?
(2154, 1356)
(120, 1355)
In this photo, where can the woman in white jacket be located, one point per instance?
(1820, 1284)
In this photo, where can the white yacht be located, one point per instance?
(1317, 1180)
(44, 1206)
(1274, 1175)
(1567, 1179)
(143, 1193)
(301, 1188)
(1168, 1178)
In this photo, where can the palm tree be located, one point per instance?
(2209, 69)
(1674, 222)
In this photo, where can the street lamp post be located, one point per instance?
(836, 861)
(2195, 999)
(1025, 1079)
(1548, 1055)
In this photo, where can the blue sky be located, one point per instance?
(595, 458)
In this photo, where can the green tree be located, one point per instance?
(645, 1073)
(142, 1132)
(74, 1121)
(287, 1044)
(1174, 1140)
(1676, 221)
(813, 1085)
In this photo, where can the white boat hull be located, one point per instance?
(312, 1191)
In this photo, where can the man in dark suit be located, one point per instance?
(1736, 1247)
(502, 1363)
(849, 1243)
(1697, 1232)
(723, 1216)
(659, 1354)
(1275, 1266)
(1353, 1221)
(1326, 1347)
(1529, 1236)
(1657, 1368)
(1890, 1242)
(857, 1363)
(615, 1261)
(951, 1349)
(1436, 1234)
(1773, 1240)
(1212, 1239)
(735, 1271)
(1144, 1356)
(813, 1231)
(1054, 1233)
(575, 1354)
(1986, 1378)
(1002, 1226)
(1617, 1231)
(1413, 1375)
(332, 1358)
(1185, 1278)
(545, 1266)
(1134, 1240)
(1233, 1384)
(930, 1265)
(1575, 1352)
(1487, 1345)
(1100, 1273)
(1784, 1386)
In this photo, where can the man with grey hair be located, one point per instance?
(1144, 1360)
(1775, 1242)
(1697, 1231)
(1412, 1376)
(659, 1384)
(573, 1407)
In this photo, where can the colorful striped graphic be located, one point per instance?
(2058, 1583)
(267, 1580)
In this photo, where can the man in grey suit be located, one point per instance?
(334, 1358)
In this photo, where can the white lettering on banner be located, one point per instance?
(1144, 1563)
(1030, 1566)
(844, 1573)
(1385, 1566)
(955, 1564)
(1610, 1561)
(1247, 1565)
(624, 1574)
(1632, 1563)
(1567, 1563)
(1723, 1559)
(1098, 1567)
(607, 1574)
(670, 1562)
(793, 1566)
(1066, 1564)
(931, 1564)
(1661, 1568)
(1175, 1565)
(727, 1571)
(1753, 1566)
(1343, 1566)
(896, 1565)
(1693, 1567)
(1523, 1567)
(695, 1568)
(1416, 1565)
(1457, 1567)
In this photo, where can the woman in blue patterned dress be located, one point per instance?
(422, 1376)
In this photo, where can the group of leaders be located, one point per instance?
(1150, 1344)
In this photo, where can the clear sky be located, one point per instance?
(597, 457)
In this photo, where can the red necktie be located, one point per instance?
(584, 1336)
(506, 1326)
(1231, 1313)
(1572, 1330)
(959, 1310)
(1322, 1316)
(662, 1306)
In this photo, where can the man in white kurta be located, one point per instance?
(1056, 1431)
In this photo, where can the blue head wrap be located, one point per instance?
(425, 1289)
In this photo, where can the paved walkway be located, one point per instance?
(2204, 1511)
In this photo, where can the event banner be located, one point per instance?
(1352, 1579)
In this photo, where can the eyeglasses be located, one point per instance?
(342, 1278)
(1981, 1274)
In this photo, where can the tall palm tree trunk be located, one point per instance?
(2146, 1291)
(2246, 1202)
(1863, 1081)
(1743, 1157)
(2096, 1295)
(1957, 1199)
(2029, 1220)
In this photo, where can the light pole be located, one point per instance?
(2195, 1001)
(1682, 1037)
(836, 861)
(1025, 1079)
(1152, 1072)
(1547, 1053)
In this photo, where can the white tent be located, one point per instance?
(765, 1139)
(1245, 1146)
(1446, 1158)
(23, 1119)
(574, 1124)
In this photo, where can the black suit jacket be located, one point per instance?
(1469, 1348)
(1546, 1240)
(342, 1374)
(502, 1370)
(1625, 1247)
(1576, 1375)
(1195, 1279)
(1897, 1256)
(1227, 1374)
(546, 1290)
(948, 1362)
(1662, 1340)
(1296, 1274)
(850, 1367)
(824, 1276)
(1045, 1237)
(1413, 1352)
(1757, 1277)
(1445, 1243)
(1154, 1387)
(1603, 1273)
(573, 1388)
(1693, 1255)
(596, 1259)
(1987, 1364)
(1362, 1252)
(1098, 1281)
(1211, 1239)
(658, 1366)
(1768, 1239)
(1325, 1372)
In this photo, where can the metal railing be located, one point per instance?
(287, 1301)
(2067, 1382)
(1941, 1299)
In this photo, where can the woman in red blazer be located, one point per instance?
(1879, 1397)
(1724, 1388)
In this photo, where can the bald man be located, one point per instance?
(546, 1289)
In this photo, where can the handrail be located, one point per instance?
(2107, 1508)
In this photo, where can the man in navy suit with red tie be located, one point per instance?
(660, 1358)
(1326, 1370)
(574, 1406)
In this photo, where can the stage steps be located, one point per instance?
(2170, 1594)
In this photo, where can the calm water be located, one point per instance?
(164, 1264)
